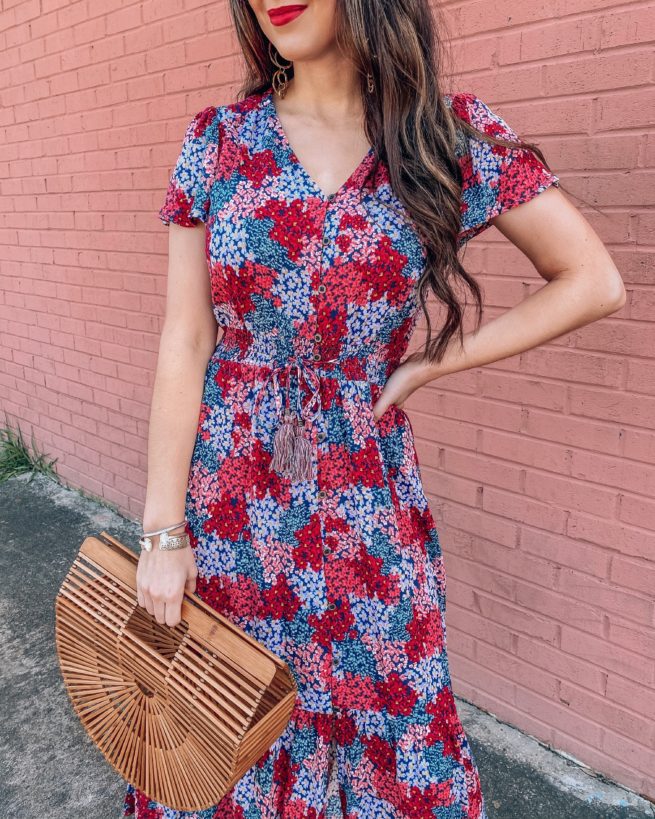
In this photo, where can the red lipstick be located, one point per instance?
(282, 15)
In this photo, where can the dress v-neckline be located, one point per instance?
(355, 177)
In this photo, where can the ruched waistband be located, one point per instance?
(293, 455)
(241, 346)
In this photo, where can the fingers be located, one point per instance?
(165, 608)
(380, 407)
(148, 602)
(159, 609)
(173, 613)
(163, 581)
(140, 596)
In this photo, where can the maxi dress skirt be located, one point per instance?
(307, 515)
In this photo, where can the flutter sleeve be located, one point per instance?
(187, 196)
(494, 178)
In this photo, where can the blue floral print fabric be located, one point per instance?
(308, 518)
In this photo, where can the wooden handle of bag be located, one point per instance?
(220, 633)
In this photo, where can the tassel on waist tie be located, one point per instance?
(292, 447)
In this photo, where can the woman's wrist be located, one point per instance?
(453, 360)
(420, 372)
(152, 522)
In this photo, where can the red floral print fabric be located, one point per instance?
(308, 517)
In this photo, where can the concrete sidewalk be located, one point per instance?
(51, 768)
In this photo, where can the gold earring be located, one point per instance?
(371, 84)
(279, 80)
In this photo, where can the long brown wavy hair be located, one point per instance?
(410, 126)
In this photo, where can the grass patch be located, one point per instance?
(16, 457)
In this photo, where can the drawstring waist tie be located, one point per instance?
(292, 446)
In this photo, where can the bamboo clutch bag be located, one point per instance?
(181, 713)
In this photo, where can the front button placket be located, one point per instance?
(322, 341)
(318, 291)
(320, 294)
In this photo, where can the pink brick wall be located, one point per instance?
(540, 468)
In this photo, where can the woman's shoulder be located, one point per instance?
(495, 177)
(465, 104)
(242, 109)
(235, 120)
(474, 111)
(227, 112)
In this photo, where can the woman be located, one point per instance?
(310, 222)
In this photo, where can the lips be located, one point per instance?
(285, 14)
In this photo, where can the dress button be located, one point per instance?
(316, 356)
(322, 436)
(326, 550)
(321, 493)
(322, 288)
(317, 337)
(332, 606)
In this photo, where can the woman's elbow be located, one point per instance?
(614, 292)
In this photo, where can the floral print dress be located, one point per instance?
(309, 522)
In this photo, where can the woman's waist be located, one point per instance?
(241, 348)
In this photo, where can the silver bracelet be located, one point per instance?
(165, 529)
(166, 542)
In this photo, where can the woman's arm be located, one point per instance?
(187, 341)
(583, 285)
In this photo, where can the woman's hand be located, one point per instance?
(162, 577)
(403, 381)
